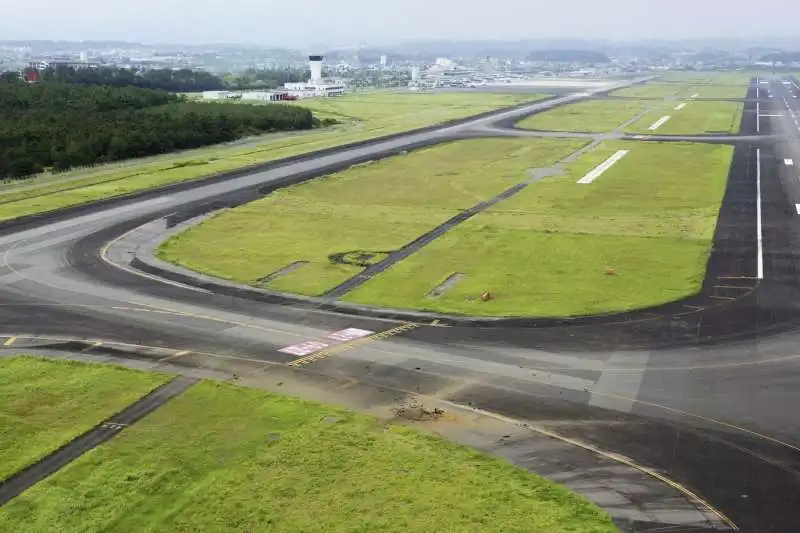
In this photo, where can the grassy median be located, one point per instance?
(363, 117)
(376, 208)
(223, 458)
(694, 118)
(45, 404)
(595, 116)
(653, 90)
(639, 235)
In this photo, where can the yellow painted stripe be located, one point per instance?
(94, 345)
(9, 341)
(340, 348)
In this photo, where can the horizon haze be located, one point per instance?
(349, 22)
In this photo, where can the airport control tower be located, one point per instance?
(315, 64)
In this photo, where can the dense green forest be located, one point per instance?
(182, 80)
(56, 125)
(266, 78)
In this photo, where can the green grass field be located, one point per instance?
(695, 118)
(719, 91)
(652, 90)
(364, 117)
(378, 207)
(546, 252)
(45, 404)
(222, 458)
(595, 116)
(714, 78)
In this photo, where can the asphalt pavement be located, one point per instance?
(701, 395)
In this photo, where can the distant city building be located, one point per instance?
(55, 63)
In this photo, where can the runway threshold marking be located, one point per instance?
(658, 123)
(341, 348)
(602, 167)
(9, 341)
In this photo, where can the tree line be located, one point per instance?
(182, 80)
(55, 125)
(266, 78)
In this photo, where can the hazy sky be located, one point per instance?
(297, 23)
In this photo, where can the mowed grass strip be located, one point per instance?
(45, 404)
(695, 118)
(593, 116)
(222, 458)
(377, 207)
(638, 236)
(364, 117)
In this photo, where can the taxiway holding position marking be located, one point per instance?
(339, 348)
(602, 167)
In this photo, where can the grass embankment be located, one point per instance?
(45, 404)
(650, 219)
(366, 116)
(377, 208)
(593, 116)
(694, 118)
(223, 458)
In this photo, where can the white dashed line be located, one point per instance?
(658, 123)
(797, 208)
(680, 106)
(602, 167)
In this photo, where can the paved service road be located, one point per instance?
(713, 410)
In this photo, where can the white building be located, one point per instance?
(216, 95)
(316, 86)
(265, 96)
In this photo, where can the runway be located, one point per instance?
(703, 393)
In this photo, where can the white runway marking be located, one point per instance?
(658, 123)
(680, 106)
(304, 348)
(602, 167)
(758, 117)
(797, 208)
(788, 162)
(695, 95)
(758, 216)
